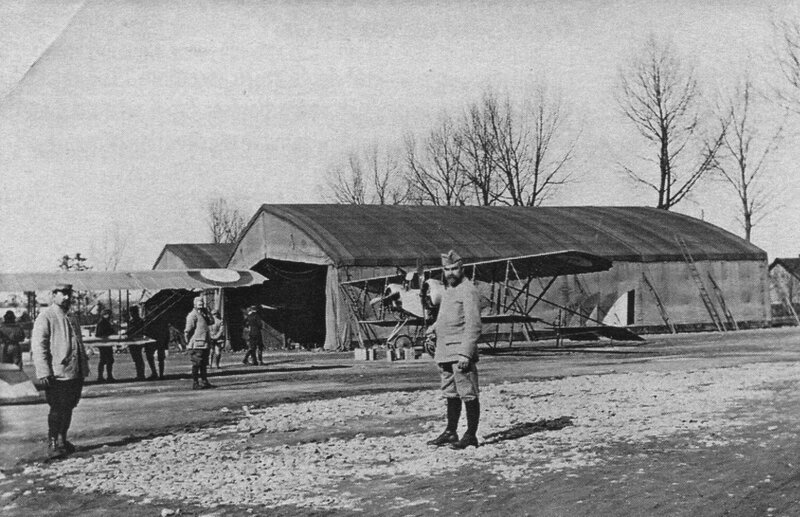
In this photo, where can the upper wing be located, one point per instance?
(557, 263)
(569, 262)
(152, 280)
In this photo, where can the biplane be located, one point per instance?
(407, 301)
(147, 280)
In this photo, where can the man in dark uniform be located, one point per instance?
(457, 329)
(11, 338)
(252, 334)
(103, 330)
(135, 332)
(61, 365)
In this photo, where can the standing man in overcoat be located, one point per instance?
(61, 365)
(457, 329)
(198, 339)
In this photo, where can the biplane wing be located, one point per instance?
(152, 280)
(391, 323)
(569, 262)
(410, 295)
(490, 319)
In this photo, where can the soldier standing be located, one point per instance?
(198, 339)
(457, 329)
(61, 365)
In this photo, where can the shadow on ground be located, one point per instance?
(527, 428)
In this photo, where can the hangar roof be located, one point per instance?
(194, 256)
(379, 235)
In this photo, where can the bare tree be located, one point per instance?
(746, 148)
(74, 263)
(660, 96)
(516, 153)
(372, 176)
(787, 51)
(388, 181)
(434, 167)
(347, 184)
(225, 221)
(552, 149)
(477, 156)
(113, 247)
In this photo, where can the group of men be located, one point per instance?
(62, 365)
(135, 331)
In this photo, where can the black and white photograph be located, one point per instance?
(399, 258)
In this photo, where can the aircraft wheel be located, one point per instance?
(429, 344)
(403, 341)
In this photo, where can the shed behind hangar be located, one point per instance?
(194, 256)
(306, 250)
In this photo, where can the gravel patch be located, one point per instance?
(256, 462)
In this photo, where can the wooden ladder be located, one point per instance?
(787, 302)
(661, 308)
(728, 316)
(712, 311)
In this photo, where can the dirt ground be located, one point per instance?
(693, 424)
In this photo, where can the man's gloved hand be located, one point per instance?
(463, 363)
(46, 382)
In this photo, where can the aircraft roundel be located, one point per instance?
(221, 275)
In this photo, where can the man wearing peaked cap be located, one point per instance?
(61, 365)
(457, 329)
(451, 258)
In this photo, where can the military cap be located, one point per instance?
(64, 288)
(451, 258)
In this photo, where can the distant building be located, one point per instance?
(171, 306)
(784, 288)
(306, 250)
(194, 256)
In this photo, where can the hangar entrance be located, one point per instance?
(297, 291)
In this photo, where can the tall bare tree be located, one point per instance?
(434, 166)
(225, 220)
(516, 153)
(747, 144)
(659, 94)
(787, 51)
(477, 156)
(371, 176)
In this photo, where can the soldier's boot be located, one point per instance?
(54, 449)
(450, 434)
(67, 446)
(195, 377)
(470, 437)
(204, 384)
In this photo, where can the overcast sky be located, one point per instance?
(134, 113)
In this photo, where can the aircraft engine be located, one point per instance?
(390, 296)
(433, 292)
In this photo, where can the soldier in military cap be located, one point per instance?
(61, 365)
(457, 329)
